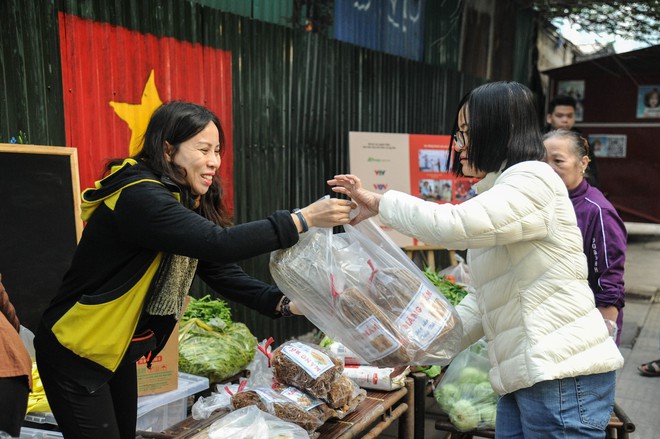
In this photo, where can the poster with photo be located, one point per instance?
(648, 102)
(608, 145)
(416, 164)
(575, 89)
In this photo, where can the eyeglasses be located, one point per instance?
(459, 137)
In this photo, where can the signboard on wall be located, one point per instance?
(416, 164)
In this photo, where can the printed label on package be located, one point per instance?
(419, 321)
(376, 342)
(302, 399)
(313, 361)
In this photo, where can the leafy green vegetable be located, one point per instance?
(218, 355)
(214, 312)
(445, 284)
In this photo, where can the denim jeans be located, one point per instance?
(568, 408)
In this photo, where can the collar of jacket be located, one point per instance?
(128, 173)
(489, 180)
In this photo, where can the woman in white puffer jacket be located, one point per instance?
(552, 360)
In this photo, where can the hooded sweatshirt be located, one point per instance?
(135, 223)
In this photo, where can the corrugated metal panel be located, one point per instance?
(296, 95)
(273, 11)
(31, 91)
(443, 33)
(238, 7)
(395, 27)
(270, 11)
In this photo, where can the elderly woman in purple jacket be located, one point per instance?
(603, 231)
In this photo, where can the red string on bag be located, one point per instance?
(374, 270)
(266, 349)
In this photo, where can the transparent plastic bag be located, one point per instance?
(344, 396)
(206, 405)
(309, 367)
(251, 423)
(465, 393)
(27, 337)
(308, 416)
(459, 272)
(361, 290)
(261, 374)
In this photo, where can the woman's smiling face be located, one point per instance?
(199, 156)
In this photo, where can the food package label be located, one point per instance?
(376, 341)
(309, 359)
(418, 321)
(304, 400)
(377, 378)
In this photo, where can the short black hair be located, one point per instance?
(562, 100)
(503, 127)
(647, 97)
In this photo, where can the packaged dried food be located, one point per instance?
(306, 366)
(360, 289)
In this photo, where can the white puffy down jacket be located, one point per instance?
(532, 300)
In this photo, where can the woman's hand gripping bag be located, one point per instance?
(360, 289)
(465, 393)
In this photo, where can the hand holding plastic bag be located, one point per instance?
(360, 289)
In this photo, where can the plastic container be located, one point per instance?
(158, 412)
(33, 433)
(155, 412)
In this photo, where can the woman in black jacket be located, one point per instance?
(153, 223)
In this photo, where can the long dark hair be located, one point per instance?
(502, 127)
(174, 123)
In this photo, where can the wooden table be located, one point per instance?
(377, 412)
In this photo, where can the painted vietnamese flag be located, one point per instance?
(113, 79)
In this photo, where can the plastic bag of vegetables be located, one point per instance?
(210, 344)
(465, 393)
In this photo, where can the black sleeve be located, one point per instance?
(231, 282)
(148, 215)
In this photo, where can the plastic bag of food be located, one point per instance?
(378, 378)
(214, 353)
(251, 423)
(300, 409)
(221, 400)
(344, 396)
(306, 366)
(465, 393)
(460, 272)
(342, 352)
(361, 290)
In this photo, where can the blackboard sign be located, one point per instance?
(40, 223)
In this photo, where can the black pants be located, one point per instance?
(14, 392)
(108, 413)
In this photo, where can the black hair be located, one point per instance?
(647, 98)
(174, 123)
(502, 127)
(561, 100)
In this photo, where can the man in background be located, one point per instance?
(561, 116)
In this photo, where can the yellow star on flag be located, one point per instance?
(137, 115)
